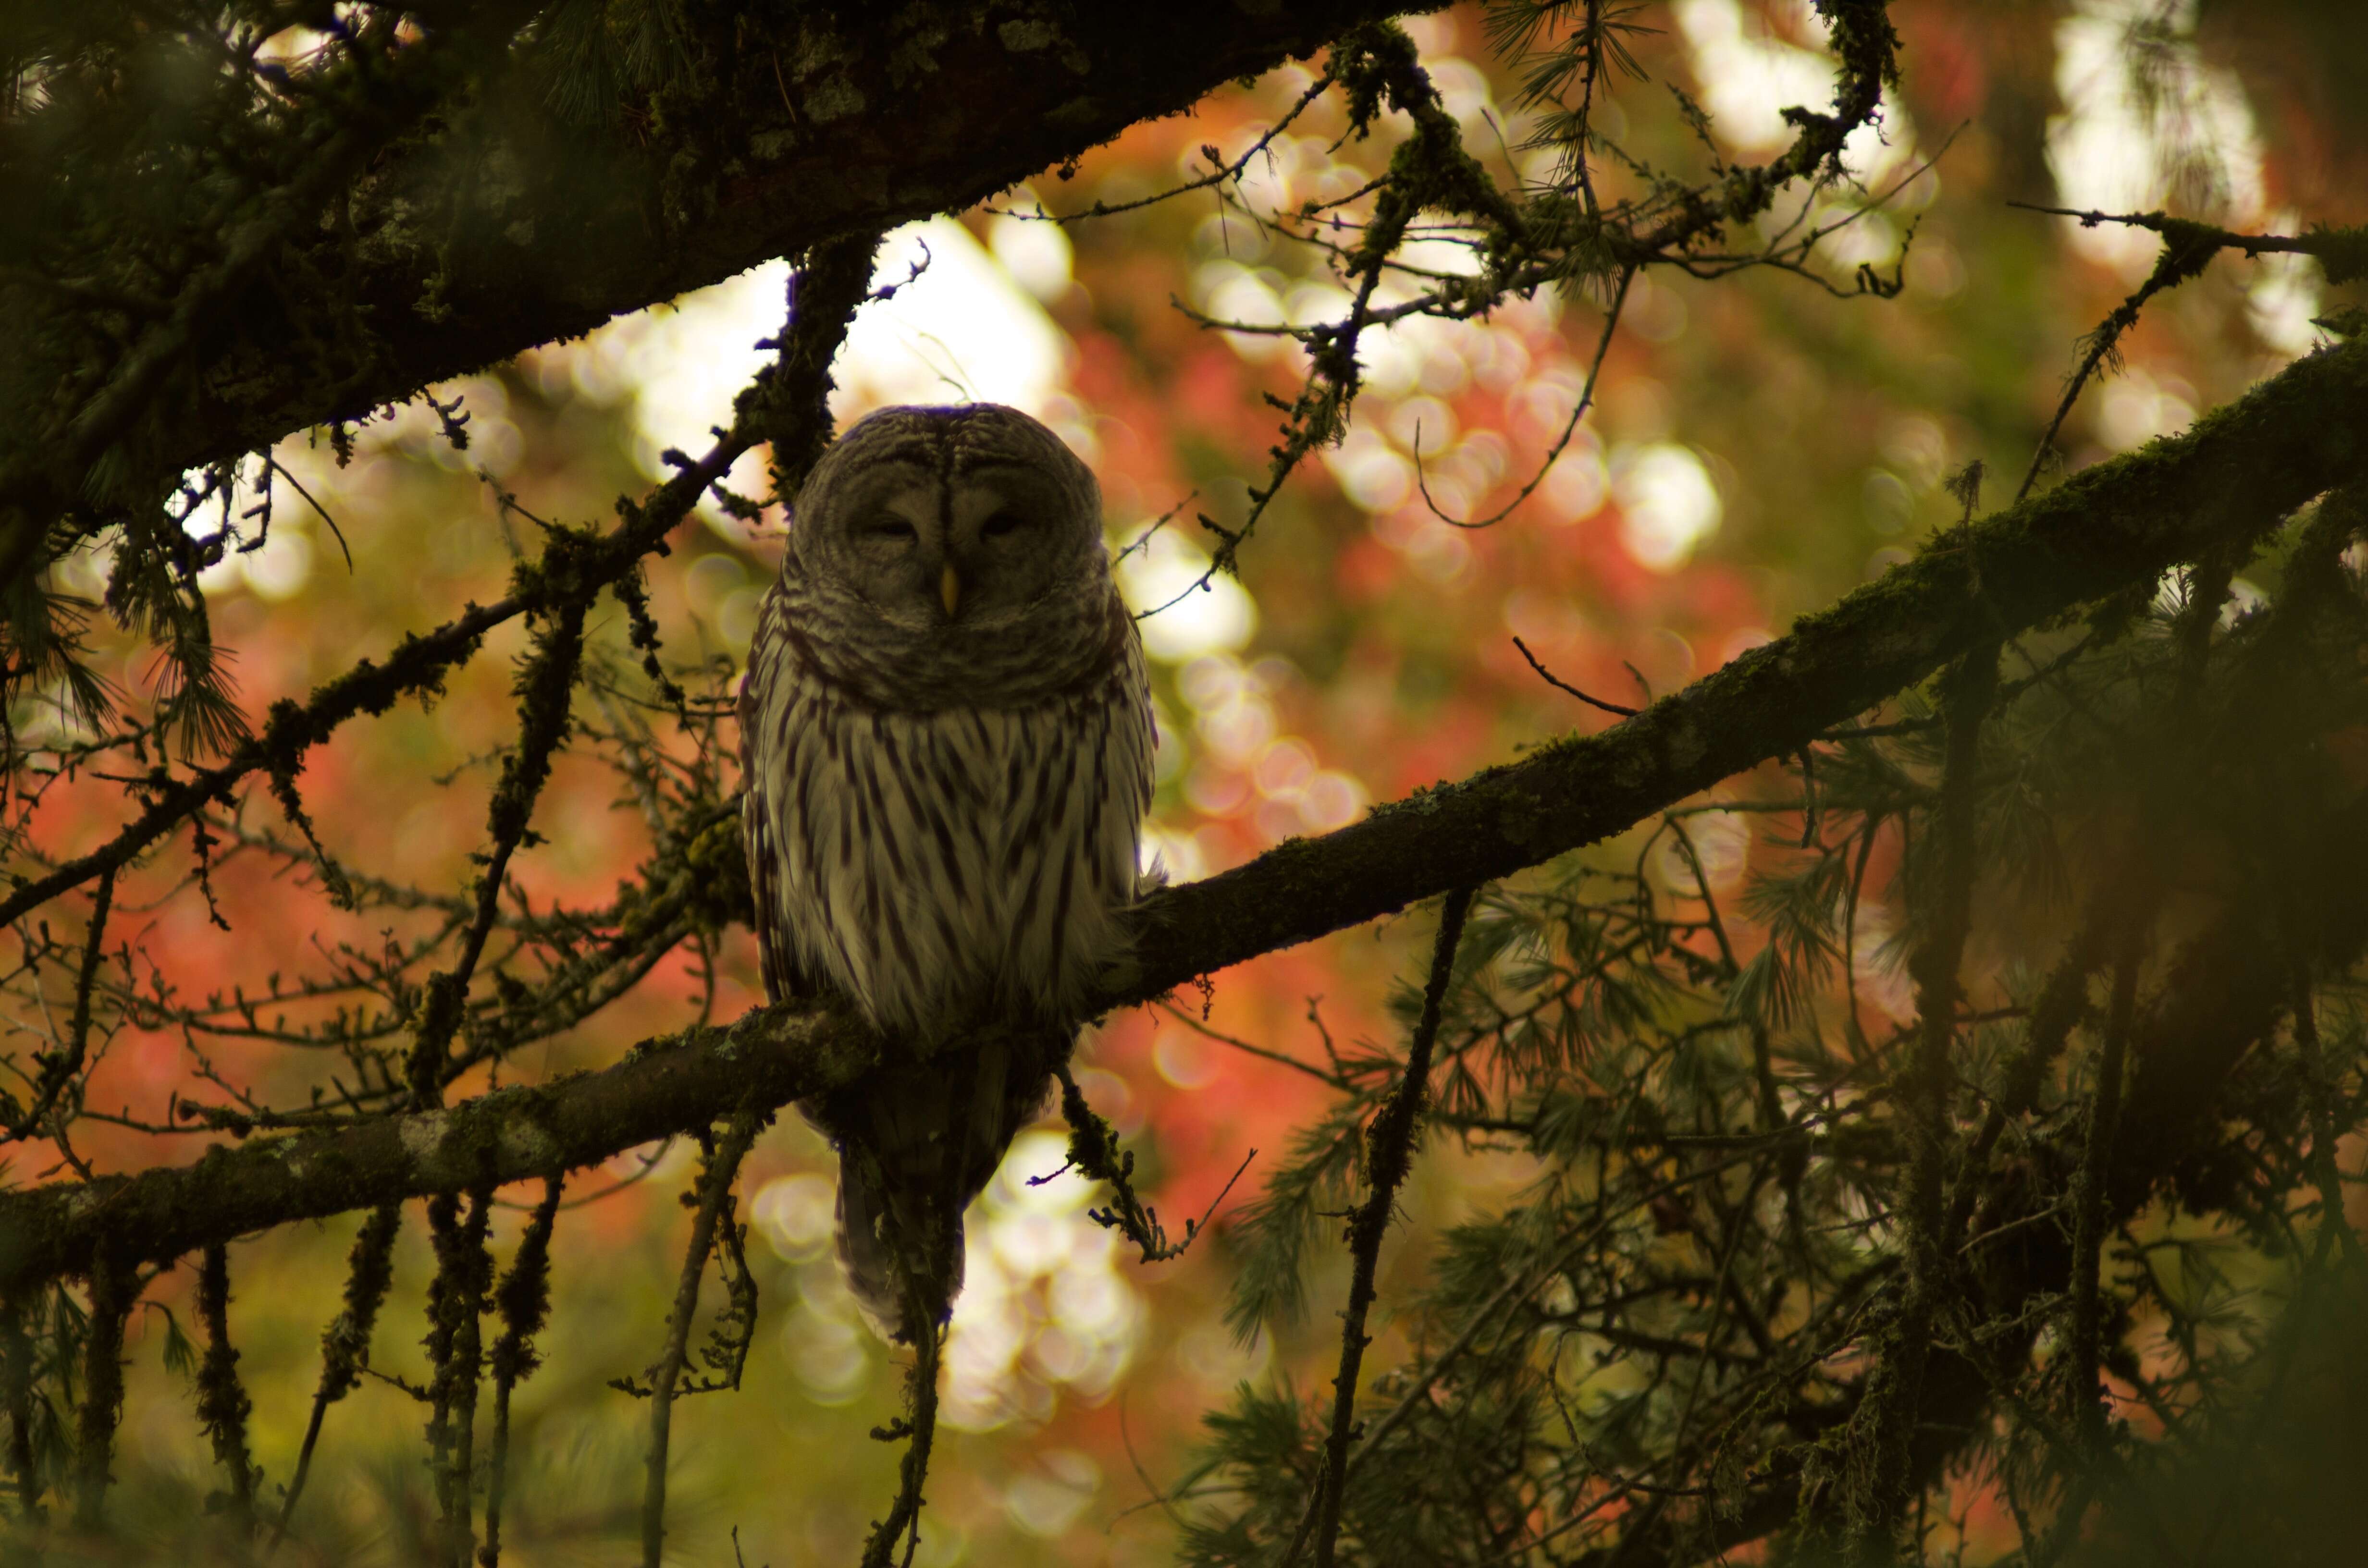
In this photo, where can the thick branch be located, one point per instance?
(2121, 524)
(514, 221)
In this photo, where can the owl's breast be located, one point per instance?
(951, 863)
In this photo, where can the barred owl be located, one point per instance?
(946, 736)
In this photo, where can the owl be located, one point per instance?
(946, 737)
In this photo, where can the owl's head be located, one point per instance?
(954, 524)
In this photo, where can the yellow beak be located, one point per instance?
(950, 590)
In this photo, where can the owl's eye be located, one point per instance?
(1001, 524)
(890, 529)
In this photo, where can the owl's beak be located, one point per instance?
(950, 590)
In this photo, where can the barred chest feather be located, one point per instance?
(939, 864)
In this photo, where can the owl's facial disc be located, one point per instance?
(1011, 541)
(893, 549)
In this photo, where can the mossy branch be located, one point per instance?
(523, 1300)
(2229, 480)
(1094, 1154)
(114, 1289)
(345, 1344)
(456, 1305)
(222, 1402)
(425, 278)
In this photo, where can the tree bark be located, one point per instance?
(503, 221)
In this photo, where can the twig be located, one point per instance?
(546, 692)
(456, 1300)
(1222, 170)
(1389, 1144)
(1142, 539)
(2186, 249)
(919, 1430)
(714, 1189)
(2089, 1195)
(1886, 1420)
(1553, 453)
(113, 1288)
(1094, 1151)
(222, 1403)
(58, 1071)
(524, 1301)
(1280, 1059)
(1551, 680)
(2343, 247)
(1708, 899)
(345, 1344)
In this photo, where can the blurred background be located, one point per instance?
(1761, 446)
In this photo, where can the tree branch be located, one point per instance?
(1389, 1144)
(516, 218)
(714, 1195)
(2232, 477)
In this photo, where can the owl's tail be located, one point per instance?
(917, 1142)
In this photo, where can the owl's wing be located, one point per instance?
(1134, 765)
(784, 979)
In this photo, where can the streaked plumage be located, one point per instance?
(947, 740)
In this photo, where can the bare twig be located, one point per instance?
(1559, 685)
(1553, 453)
(2088, 1199)
(1896, 1391)
(715, 1193)
(1389, 1144)
(58, 1070)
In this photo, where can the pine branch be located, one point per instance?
(1895, 1390)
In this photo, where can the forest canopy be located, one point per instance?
(1756, 616)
